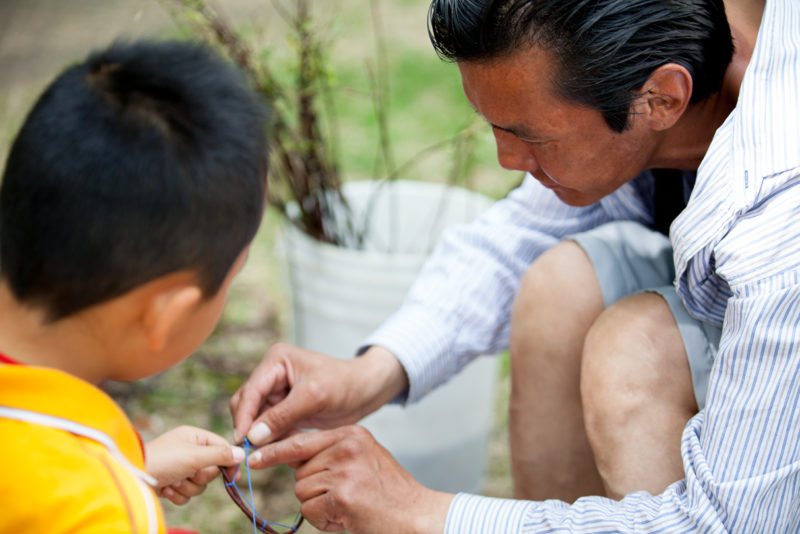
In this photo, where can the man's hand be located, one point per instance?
(185, 459)
(347, 481)
(293, 388)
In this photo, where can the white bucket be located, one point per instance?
(341, 295)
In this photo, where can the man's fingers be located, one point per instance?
(318, 512)
(281, 418)
(244, 406)
(297, 448)
(248, 401)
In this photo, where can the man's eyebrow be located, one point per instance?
(518, 130)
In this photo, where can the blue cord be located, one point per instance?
(248, 448)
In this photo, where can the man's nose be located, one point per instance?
(513, 153)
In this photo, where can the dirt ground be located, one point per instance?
(39, 37)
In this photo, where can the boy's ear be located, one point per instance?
(167, 309)
(666, 93)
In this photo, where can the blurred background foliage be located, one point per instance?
(424, 105)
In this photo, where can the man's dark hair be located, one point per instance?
(604, 50)
(146, 159)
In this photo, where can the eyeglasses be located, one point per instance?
(259, 523)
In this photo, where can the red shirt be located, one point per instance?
(6, 359)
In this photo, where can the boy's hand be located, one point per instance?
(185, 459)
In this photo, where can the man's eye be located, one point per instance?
(537, 142)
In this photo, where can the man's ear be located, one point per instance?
(167, 309)
(666, 93)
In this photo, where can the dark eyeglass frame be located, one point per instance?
(261, 524)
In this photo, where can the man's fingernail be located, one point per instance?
(238, 454)
(237, 438)
(255, 457)
(259, 433)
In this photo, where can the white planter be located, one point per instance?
(341, 295)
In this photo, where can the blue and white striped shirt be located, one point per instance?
(737, 258)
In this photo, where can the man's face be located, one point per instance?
(568, 148)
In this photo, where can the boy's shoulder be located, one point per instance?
(58, 475)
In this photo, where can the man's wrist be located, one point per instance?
(383, 374)
(432, 514)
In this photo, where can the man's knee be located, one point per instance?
(559, 297)
(633, 359)
(557, 287)
(557, 266)
(636, 394)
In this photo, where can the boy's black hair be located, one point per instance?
(604, 50)
(146, 159)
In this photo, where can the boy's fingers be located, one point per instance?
(205, 475)
(207, 438)
(215, 455)
(174, 496)
(188, 489)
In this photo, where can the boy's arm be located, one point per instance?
(185, 459)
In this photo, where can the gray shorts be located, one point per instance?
(630, 258)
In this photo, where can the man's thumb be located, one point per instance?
(259, 433)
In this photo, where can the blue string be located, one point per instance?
(248, 448)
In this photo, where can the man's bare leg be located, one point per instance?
(558, 301)
(637, 395)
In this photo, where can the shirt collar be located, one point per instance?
(59, 394)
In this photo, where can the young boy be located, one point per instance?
(129, 200)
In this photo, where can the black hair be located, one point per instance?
(148, 158)
(604, 49)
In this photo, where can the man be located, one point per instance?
(679, 403)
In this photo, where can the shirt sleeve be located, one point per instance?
(741, 454)
(459, 305)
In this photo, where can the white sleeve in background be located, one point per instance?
(459, 305)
